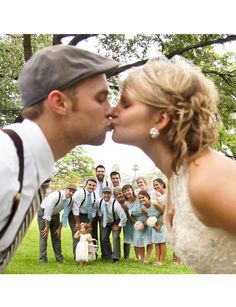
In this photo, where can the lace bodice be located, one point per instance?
(204, 249)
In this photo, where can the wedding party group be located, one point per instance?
(102, 208)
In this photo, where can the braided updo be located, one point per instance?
(187, 96)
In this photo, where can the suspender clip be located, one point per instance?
(18, 196)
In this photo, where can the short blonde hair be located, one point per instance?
(187, 96)
(117, 190)
(141, 178)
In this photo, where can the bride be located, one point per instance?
(169, 110)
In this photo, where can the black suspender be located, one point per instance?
(94, 198)
(70, 201)
(84, 198)
(20, 152)
(113, 210)
(58, 199)
(100, 204)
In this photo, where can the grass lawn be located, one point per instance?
(26, 260)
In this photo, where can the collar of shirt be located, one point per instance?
(63, 194)
(109, 203)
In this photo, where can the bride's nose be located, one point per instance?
(115, 111)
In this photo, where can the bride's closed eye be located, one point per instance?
(124, 103)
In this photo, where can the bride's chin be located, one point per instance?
(116, 138)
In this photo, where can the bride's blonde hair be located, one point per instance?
(187, 96)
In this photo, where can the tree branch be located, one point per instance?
(226, 76)
(74, 41)
(56, 40)
(125, 67)
(179, 52)
(202, 44)
(80, 37)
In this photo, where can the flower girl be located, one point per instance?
(82, 248)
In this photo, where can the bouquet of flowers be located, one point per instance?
(138, 225)
(151, 221)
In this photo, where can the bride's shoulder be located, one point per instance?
(211, 186)
(209, 170)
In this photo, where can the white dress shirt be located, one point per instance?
(38, 167)
(78, 198)
(118, 210)
(51, 205)
(100, 186)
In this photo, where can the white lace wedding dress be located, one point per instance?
(204, 249)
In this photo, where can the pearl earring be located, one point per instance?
(154, 133)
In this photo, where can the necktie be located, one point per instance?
(30, 213)
(89, 206)
(65, 213)
(104, 215)
(100, 189)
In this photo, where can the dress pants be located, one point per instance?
(71, 221)
(56, 242)
(105, 235)
(95, 225)
(126, 250)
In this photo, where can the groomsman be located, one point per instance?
(115, 179)
(85, 208)
(49, 220)
(112, 219)
(84, 205)
(119, 196)
(101, 181)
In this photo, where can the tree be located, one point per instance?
(132, 51)
(75, 168)
(14, 51)
(135, 169)
(116, 168)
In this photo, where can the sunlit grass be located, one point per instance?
(26, 260)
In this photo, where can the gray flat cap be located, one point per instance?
(106, 189)
(57, 68)
(72, 187)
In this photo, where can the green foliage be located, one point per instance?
(153, 175)
(75, 168)
(116, 168)
(12, 59)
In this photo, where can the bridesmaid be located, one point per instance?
(158, 231)
(130, 200)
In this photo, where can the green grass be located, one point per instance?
(26, 260)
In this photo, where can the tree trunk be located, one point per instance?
(27, 46)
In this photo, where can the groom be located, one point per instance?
(61, 87)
